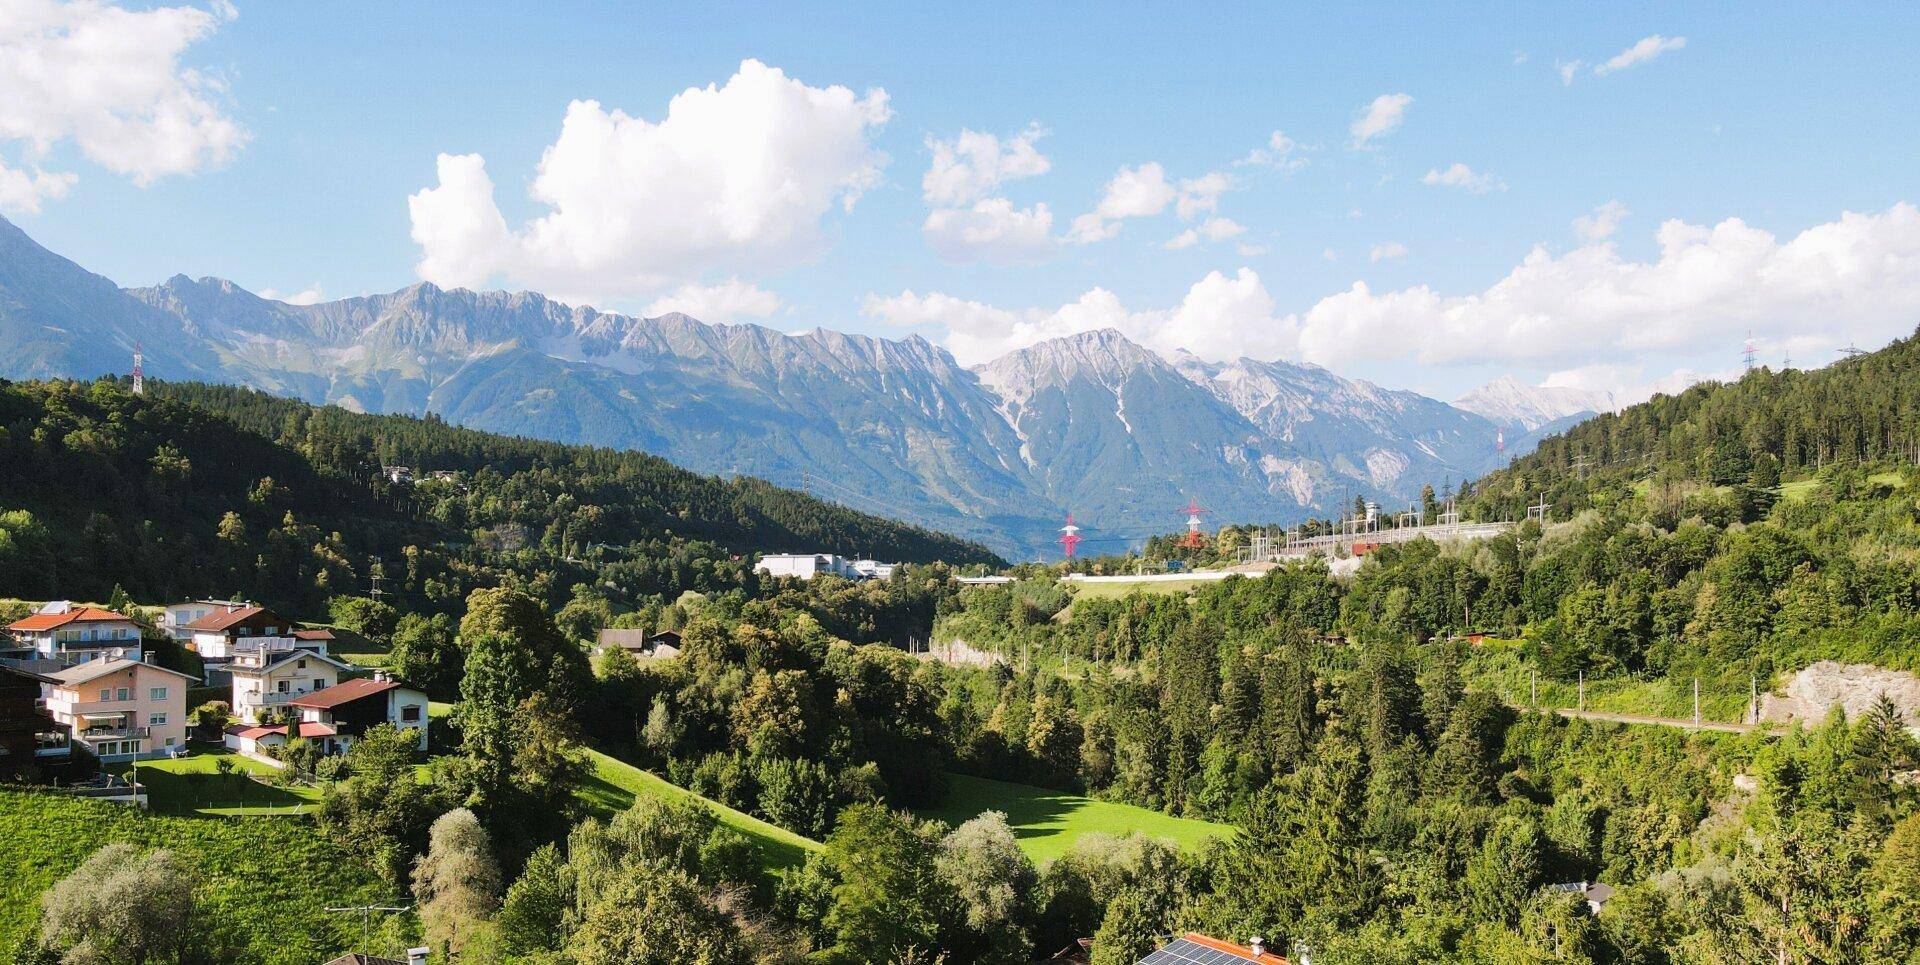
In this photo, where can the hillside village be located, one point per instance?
(913, 484)
(265, 682)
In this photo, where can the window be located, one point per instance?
(319, 683)
(410, 713)
(156, 693)
(272, 631)
(302, 665)
(169, 742)
(123, 693)
(106, 693)
(156, 720)
(281, 686)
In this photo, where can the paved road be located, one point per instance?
(1685, 723)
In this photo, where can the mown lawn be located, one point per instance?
(1047, 822)
(194, 785)
(616, 784)
(1799, 489)
(263, 883)
(1114, 591)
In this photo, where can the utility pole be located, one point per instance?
(366, 917)
(1533, 687)
(1696, 703)
(373, 576)
(1583, 691)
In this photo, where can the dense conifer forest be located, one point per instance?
(196, 490)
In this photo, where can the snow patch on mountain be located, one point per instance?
(1511, 403)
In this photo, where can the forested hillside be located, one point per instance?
(196, 490)
(1764, 428)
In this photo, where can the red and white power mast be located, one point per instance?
(1193, 540)
(1069, 536)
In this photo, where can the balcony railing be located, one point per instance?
(254, 698)
(112, 733)
(80, 707)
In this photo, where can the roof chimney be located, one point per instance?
(417, 956)
(1256, 944)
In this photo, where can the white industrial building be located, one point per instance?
(806, 566)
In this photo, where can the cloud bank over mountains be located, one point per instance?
(1589, 310)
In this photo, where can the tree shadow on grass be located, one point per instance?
(1032, 812)
(195, 791)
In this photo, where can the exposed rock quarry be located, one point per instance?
(1812, 693)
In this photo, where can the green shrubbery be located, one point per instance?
(262, 882)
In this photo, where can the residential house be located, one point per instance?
(23, 721)
(1594, 893)
(275, 674)
(121, 709)
(415, 956)
(1195, 948)
(174, 617)
(640, 643)
(73, 634)
(234, 629)
(351, 707)
(806, 566)
(666, 643)
(259, 740)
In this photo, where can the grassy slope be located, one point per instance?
(263, 881)
(193, 785)
(1047, 822)
(616, 784)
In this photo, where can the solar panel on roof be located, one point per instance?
(1184, 952)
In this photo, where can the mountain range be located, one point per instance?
(1092, 423)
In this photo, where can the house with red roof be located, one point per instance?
(70, 634)
(232, 629)
(1197, 949)
(340, 714)
(265, 679)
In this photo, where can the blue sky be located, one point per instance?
(1782, 118)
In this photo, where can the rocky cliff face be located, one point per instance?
(1811, 694)
(1092, 424)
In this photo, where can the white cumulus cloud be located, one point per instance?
(1210, 230)
(1222, 316)
(991, 231)
(1643, 50)
(1383, 116)
(1387, 251)
(736, 177)
(1280, 153)
(728, 301)
(1595, 315)
(1602, 223)
(109, 81)
(310, 295)
(1464, 178)
(973, 165)
(1136, 192)
(966, 225)
(1855, 278)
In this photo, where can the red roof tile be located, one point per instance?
(222, 618)
(48, 621)
(345, 692)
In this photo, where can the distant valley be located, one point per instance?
(1092, 423)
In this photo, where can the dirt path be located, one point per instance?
(1684, 723)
